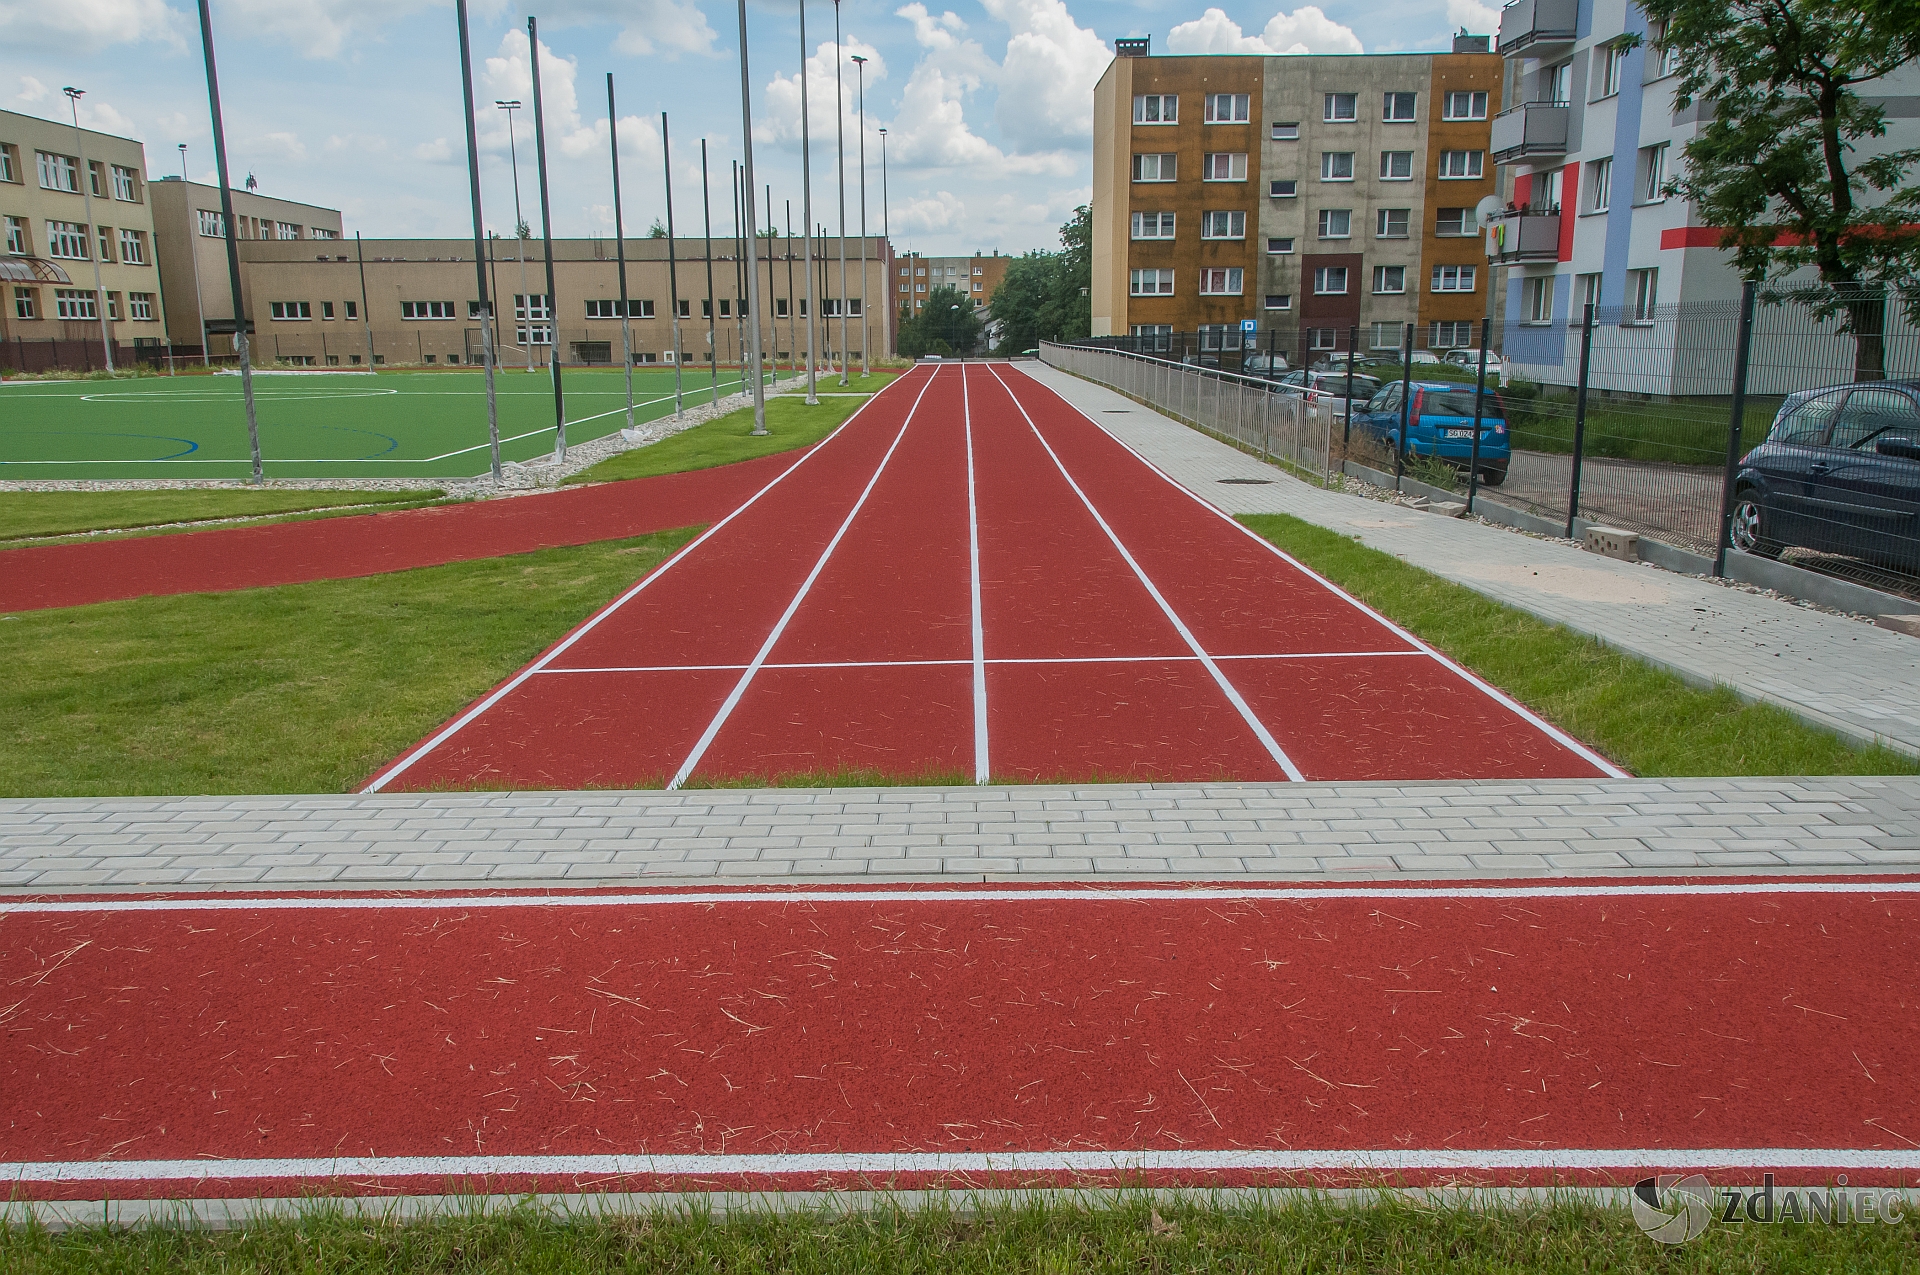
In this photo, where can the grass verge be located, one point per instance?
(791, 424)
(301, 688)
(1127, 1234)
(37, 515)
(1645, 719)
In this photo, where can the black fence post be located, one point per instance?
(1580, 419)
(1479, 414)
(1353, 351)
(1406, 406)
(1740, 355)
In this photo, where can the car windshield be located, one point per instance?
(1456, 403)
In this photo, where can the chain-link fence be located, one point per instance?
(1276, 421)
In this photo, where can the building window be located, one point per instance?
(1286, 189)
(140, 306)
(1600, 184)
(295, 310)
(1223, 225)
(636, 309)
(1336, 223)
(26, 303)
(1539, 299)
(1152, 337)
(1453, 278)
(17, 236)
(1341, 107)
(72, 303)
(1613, 66)
(1150, 283)
(1156, 108)
(1653, 173)
(1461, 165)
(1323, 338)
(1336, 166)
(1330, 281)
(126, 185)
(133, 247)
(1666, 57)
(1453, 221)
(67, 239)
(1226, 108)
(1286, 130)
(918, 287)
(427, 310)
(1215, 282)
(1279, 301)
(1396, 166)
(1644, 285)
(1152, 168)
(1280, 246)
(106, 242)
(58, 172)
(683, 309)
(1153, 225)
(353, 309)
(1223, 166)
(321, 232)
(1556, 84)
(1219, 336)
(212, 225)
(285, 230)
(1451, 336)
(1398, 108)
(1389, 279)
(1589, 295)
(9, 163)
(97, 179)
(326, 310)
(1385, 336)
(1391, 223)
(1464, 106)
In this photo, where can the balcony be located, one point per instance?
(1531, 129)
(1531, 28)
(1529, 234)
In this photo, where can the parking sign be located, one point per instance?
(1249, 325)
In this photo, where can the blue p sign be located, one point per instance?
(1249, 325)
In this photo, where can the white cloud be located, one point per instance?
(87, 26)
(510, 77)
(1047, 78)
(437, 151)
(1305, 30)
(1477, 18)
(778, 121)
(942, 210)
(31, 90)
(665, 28)
(318, 28)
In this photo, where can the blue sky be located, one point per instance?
(355, 104)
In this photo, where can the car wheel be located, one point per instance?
(1493, 477)
(1748, 530)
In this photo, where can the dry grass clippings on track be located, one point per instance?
(28, 517)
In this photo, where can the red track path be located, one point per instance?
(971, 579)
(339, 548)
(832, 1037)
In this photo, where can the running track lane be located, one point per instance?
(804, 1039)
(217, 561)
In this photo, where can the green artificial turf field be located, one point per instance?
(409, 425)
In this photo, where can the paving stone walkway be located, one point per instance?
(1853, 678)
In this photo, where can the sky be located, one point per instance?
(356, 104)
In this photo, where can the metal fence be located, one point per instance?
(1250, 411)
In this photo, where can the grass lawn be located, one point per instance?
(1683, 432)
(1645, 719)
(1115, 1235)
(32, 515)
(790, 424)
(301, 688)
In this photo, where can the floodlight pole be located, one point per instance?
(866, 336)
(206, 359)
(806, 214)
(840, 135)
(673, 262)
(754, 350)
(546, 238)
(620, 242)
(519, 222)
(886, 235)
(773, 324)
(93, 232)
(706, 210)
(479, 247)
(793, 306)
(366, 320)
(233, 247)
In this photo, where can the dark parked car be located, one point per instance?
(1329, 388)
(1441, 424)
(1839, 472)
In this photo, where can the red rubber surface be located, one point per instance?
(68, 575)
(1395, 1022)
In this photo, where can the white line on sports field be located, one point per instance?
(1220, 679)
(1553, 732)
(384, 777)
(883, 1164)
(1021, 660)
(981, 769)
(780, 626)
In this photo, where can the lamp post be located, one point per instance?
(840, 135)
(886, 234)
(806, 214)
(479, 245)
(520, 230)
(752, 233)
(93, 232)
(200, 310)
(866, 340)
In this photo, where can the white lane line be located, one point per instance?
(772, 666)
(1227, 688)
(385, 777)
(780, 626)
(889, 1163)
(981, 768)
(1554, 732)
(1173, 892)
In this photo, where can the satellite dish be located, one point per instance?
(1487, 209)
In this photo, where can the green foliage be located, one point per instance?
(657, 230)
(1047, 295)
(948, 324)
(31, 515)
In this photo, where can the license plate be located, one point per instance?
(1459, 433)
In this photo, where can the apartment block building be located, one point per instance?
(73, 200)
(976, 276)
(1303, 195)
(1592, 138)
(191, 230)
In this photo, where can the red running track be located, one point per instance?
(971, 579)
(814, 1038)
(217, 561)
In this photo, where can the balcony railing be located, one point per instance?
(1528, 26)
(1533, 128)
(1528, 234)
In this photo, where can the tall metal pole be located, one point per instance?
(773, 324)
(519, 230)
(866, 337)
(479, 246)
(840, 143)
(706, 211)
(886, 235)
(1406, 406)
(233, 247)
(546, 239)
(93, 232)
(793, 306)
(1740, 357)
(366, 320)
(673, 271)
(753, 233)
(1580, 420)
(1479, 414)
(193, 251)
(620, 243)
(739, 255)
(806, 215)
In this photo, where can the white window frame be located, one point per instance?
(62, 236)
(9, 166)
(1279, 301)
(1238, 106)
(1331, 104)
(1232, 221)
(1283, 188)
(211, 224)
(1222, 281)
(1150, 282)
(1333, 162)
(1538, 299)
(1466, 223)
(1280, 245)
(1323, 338)
(1389, 280)
(26, 303)
(1390, 160)
(17, 243)
(140, 307)
(75, 304)
(1165, 109)
(1591, 287)
(291, 311)
(1388, 102)
(1284, 131)
(1452, 278)
(1600, 184)
(55, 168)
(1324, 277)
(1383, 223)
(1327, 221)
(133, 248)
(429, 311)
(1153, 225)
(1475, 102)
(322, 232)
(1450, 334)
(1613, 70)
(1557, 84)
(1235, 165)
(1165, 166)
(1653, 173)
(1378, 337)
(126, 184)
(1458, 166)
(1644, 285)
(105, 241)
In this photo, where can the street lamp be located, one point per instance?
(86, 192)
(840, 143)
(886, 234)
(953, 331)
(200, 311)
(806, 213)
(519, 225)
(866, 338)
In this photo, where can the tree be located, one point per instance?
(656, 230)
(1046, 295)
(946, 324)
(1777, 165)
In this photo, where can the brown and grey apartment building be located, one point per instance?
(1306, 195)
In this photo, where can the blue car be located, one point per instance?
(1440, 423)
